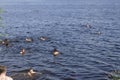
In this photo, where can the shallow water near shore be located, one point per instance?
(85, 54)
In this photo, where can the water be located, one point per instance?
(85, 55)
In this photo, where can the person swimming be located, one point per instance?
(31, 72)
(28, 39)
(55, 52)
(28, 74)
(3, 75)
(5, 42)
(22, 52)
(88, 25)
(43, 38)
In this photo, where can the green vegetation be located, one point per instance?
(0, 16)
(115, 75)
(115, 78)
(1, 11)
(2, 34)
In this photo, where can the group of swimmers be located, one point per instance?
(31, 72)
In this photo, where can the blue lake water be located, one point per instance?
(85, 54)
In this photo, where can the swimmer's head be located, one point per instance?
(2, 69)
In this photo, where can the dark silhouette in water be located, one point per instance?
(5, 42)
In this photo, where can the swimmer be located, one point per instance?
(31, 72)
(55, 52)
(22, 52)
(28, 74)
(3, 75)
(28, 40)
(88, 25)
(5, 42)
(43, 38)
(98, 33)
